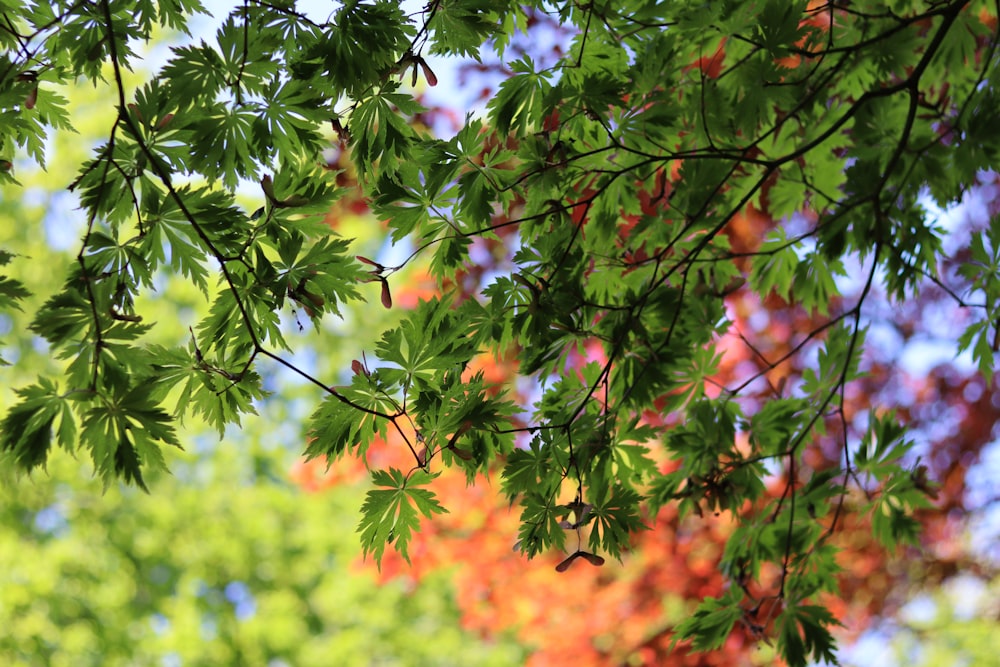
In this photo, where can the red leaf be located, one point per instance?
(551, 122)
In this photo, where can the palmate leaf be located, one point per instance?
(338, 426)
(62, 317)
(334, 429)
(805, 636)
(202, 386)
(194, 72)
(325, 275)
(367, 42)
(221, 143)
(392, 514)
(383, 133)
(451, 403)
(978, 338)
(616, 517)
(526, 468)
(430, 339)
(517, 106)
(893, 523)
(540, 528)
(461, 27)
(124, 436)
(28, 428)
(223, 400)
(710, 624)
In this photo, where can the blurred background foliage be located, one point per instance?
(223, 565)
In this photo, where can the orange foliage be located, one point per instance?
(584, 616)
(413, 287)
(623, 613)
(988, 18)
(496, 372)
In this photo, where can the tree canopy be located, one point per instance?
(676, 227)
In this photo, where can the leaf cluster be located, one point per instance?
(618, 177)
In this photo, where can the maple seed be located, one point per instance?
(29, 103)
(386, 296)
(378, 267)
(267, 185)
(432, 79)
(922, 483)
(593, 559)
(564, 565)
(460, 453)
(316, 299)
(343, 134)
(134, 108)
(292, 201)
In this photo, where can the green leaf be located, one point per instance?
(804, 634)
(710, 624)
(430, 339)
(616, 517)
(338, 426)
(27, 430)
(123, 433)
(392, 514)
(461, 27)
(517, 106)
